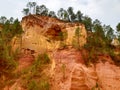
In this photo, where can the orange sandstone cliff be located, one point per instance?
(41, 32)
(68, 70)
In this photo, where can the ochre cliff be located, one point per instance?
(68, 70)
(42, 33)
(71, 73)
(75, 75)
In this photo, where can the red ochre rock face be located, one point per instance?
(68, 71)
(71, 73)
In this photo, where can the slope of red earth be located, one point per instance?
(71, 73)
(26, 60)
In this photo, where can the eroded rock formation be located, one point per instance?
(43, 33)
(68, 70)
(71, 73)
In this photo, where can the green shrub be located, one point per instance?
(63, 70)
(34, 77)
(62, 38)
(32, 85)
(43, 58)
(44, 85)
(7, 57)
(76, 39)
(96, 87)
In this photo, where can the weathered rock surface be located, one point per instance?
(24, 62)
(42, 33)
(70, 73)
(108, 76)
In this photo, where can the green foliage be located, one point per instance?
(31, 5)
(118, 31)
(99, 41)
(34, 77)
(30, 8)
(10, 28)
(79, 16)
(26, 11)
(63, 14)
(98, 29)
(87, 21)
(7, 62)
(115, 57)
(71, 14)
(3, 19)
(118, 27)
(96, 87)
(42, 85)
(32, 85)
(52, 14)
(44, 58)
(91, 56)
(109, 34)
(76, 39)
(63, 70)
(62, 38)
(77, 32)
(42, 10)
(36, 83)
(7, 56)
(97, 38)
